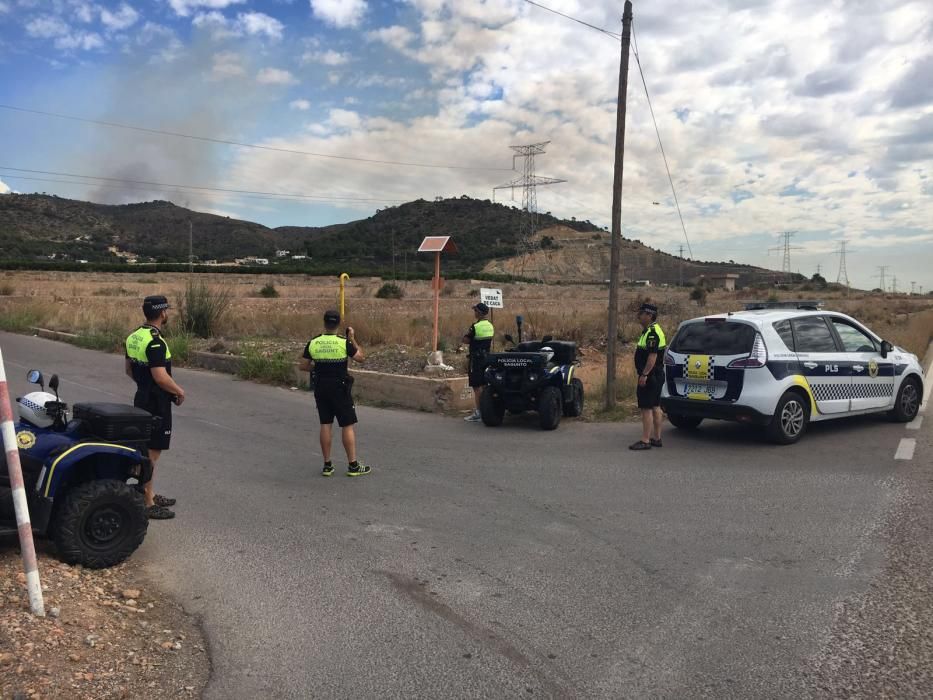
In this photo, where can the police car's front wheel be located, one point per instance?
(790, 419)
(907, 405)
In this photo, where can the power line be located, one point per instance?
(660, 144)
(200, 187)
(210, 139)
(574, 19)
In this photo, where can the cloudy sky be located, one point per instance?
(814, 116)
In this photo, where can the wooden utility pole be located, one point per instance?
(617, 211)
(190, 247)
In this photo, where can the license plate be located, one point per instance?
(697, 389)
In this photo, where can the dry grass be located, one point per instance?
(105, 307)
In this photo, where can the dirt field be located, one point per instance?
(397, 332)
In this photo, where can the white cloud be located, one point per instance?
(184, 7)
(4, 188)
(300, 105)
(275, 76)
(65, 38)
(245, 24)
(340, 13)
(86, 41)
(47, 27)
(84, 11)
(327, 58)
(4, 7)
(123, 18)
(397, 36)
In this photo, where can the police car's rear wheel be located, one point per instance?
(790, 419)
(907, 405)
(684, 422)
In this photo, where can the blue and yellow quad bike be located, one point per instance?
(78, 475)
(535, 375)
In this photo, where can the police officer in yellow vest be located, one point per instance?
(149, 364)
(479, 338)
(330, 355)
(649, 363)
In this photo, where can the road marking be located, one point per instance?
(905, 451)
(915, 423)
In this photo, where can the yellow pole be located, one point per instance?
(343, 282)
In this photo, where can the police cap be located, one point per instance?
(331, 317)
(481, 308)
(648, 309)
(152, 305)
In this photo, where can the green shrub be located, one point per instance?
(277, 368)
(99, 340)
(201, 309)
(698, 294)
(390, 290)
(269, 292)
(180, 346)
(18, 320)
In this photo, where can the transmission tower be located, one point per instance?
(681, 266)
(528, 243)
(843, 276)
(913, 288)
(882, 272)
(894, 285)
(786, 249)
(819, 269)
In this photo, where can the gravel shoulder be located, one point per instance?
(106, 634)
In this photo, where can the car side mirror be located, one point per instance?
(509, 338)
(886, 348)
(547, 339)
(53, 383)
(34, 376)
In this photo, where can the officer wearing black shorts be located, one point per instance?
(479, 337)
(649, 363)
(330, 355)
(149, 364)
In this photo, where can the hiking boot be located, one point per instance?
(359, 470)
(159, 513)
(164, 502)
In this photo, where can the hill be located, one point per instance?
(34, 227)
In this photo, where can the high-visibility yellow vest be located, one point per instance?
(483, 330)
(662, 340)
(139, 340)
(328, 348)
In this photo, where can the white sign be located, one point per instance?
(491, 298)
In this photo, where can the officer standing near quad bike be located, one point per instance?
(649, 363)
(330, 353)
(479, 337)
(149, 364)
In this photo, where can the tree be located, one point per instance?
(819, 281)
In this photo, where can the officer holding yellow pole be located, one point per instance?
(330, 353)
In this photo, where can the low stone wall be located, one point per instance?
(376, 388)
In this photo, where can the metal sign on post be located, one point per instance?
(24, 526)
(437, 245)
(491, 298)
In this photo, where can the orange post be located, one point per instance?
(437, 294)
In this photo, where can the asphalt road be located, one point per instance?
(501, 563)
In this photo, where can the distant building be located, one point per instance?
(724, 281)
(642, 283)
(261, 261)
(282, 253)
(299, 257)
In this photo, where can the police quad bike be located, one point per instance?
(77, 475)
(535, 375)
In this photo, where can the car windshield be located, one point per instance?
(714, 338)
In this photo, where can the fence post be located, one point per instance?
(26, 544)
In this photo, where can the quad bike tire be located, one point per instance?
(550, 407)
(491, 410)
(574, 407)
(907, 403)
(100, 524)
(684, 422)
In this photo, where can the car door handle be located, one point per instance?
(811, 365)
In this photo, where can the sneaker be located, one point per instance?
(655, 443)
(474, 417)
(159, 513)
(327, 470)
(164, 502)
(360, 470)
(640, 446)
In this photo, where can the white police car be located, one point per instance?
(783, 368)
